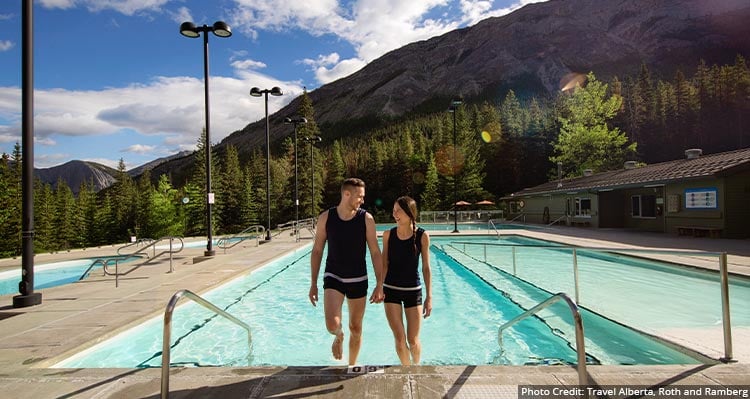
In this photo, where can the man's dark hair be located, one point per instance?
(352, 182)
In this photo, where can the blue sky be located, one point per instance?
(114, 79)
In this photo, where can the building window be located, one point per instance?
(643, 206)
(583, 207)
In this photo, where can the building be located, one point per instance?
(701, 195)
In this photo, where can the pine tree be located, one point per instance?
(586, 140)
(232, 182)
(429, 198)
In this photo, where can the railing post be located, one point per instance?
(725, 307)
(575, 274)
(485, 252)
(170, 254)
(514, 260)
(117, 273)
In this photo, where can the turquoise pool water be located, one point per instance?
(652, 296)
(473, 227)
(49, 275)
(468, 308)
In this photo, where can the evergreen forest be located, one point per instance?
(501, 147)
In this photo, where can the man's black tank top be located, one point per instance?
(403, 261)
(346, 247)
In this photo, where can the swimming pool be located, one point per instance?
(46, 275)
(461, 227)
(652, 296)
(287, 330)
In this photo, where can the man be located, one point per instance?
(346, 228)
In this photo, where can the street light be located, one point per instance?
(453, 108)
(256, 92)
(312, 140)
(296, 121)
(220, 29)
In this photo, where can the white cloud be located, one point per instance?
(248, 64)
(64, 4)
(6, 45)
(323, 60)
(127, 7)
(140, 149)
(341, 69)
(48, 160)
(171, 108)
(45, 141)
(181, 15)
(372, 27)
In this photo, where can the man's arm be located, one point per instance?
(376, 257)
(316, 257)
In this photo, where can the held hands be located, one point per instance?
(377, 295)
(313, 295)
(427, 307)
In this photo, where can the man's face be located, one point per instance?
(356, 197)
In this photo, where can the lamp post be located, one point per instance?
(296, 121)
(27, 297)
(312, 140)
(256, 92)
(453, 108)
(220, 29)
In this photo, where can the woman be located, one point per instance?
(402, 246)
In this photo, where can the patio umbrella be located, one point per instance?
(485, 202)
(462, 203)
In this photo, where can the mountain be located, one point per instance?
(530, 50)
(150, 165)
(76, 172)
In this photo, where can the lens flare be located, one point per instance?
(418, 178)
(445, 163)
(572, 80)
(486, 136)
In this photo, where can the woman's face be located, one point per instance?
(399, 215)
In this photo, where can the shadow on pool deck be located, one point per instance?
(79, 315)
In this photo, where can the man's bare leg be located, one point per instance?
(356, 314)
(332, 303)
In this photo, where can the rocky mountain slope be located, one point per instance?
(76, 172)
(529, 50)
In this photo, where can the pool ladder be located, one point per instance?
(167, 337)
(578, 321)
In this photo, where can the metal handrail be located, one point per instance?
(228, 242)
(103, 262)
(141, 241)
(139, 253)
(167, 334)
(557, 220)
(491, 223)
(580, 346)
(520, 215)
(723, 273)
(308, 224)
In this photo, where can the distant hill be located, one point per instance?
(76, 172)
(150, 165)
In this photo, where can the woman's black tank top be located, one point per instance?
(403, 261)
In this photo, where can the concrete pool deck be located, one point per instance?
(79, 315)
